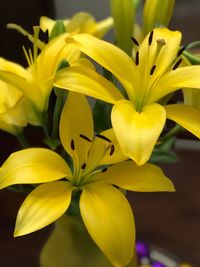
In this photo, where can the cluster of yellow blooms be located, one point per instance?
(95, 168)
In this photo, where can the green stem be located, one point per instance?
(22, 140)
(56, 115)
(173, 132)
(195, 44)
(194, 60)
(45, 124)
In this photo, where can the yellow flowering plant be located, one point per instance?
(91, 153)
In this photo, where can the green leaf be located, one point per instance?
(101, 115)
(162, 157)
(194, 60)
(164, 152)
(52, 143)
(58, 29)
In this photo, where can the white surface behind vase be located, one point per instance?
(100, 8)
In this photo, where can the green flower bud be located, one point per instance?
(123, 12)
(157, 12)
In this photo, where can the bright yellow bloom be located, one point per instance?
(15, 110)
(105, 210)
(36, 81)
(137, 119)
(80, 23)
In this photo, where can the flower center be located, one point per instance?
(100, 147)
(151, 67)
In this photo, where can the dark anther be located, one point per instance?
(72, 145)
(103, 137)
(177, 64)
(104, 169)
(152, 70)
(112, 150)
(134, 41)
(83, 166)
(150, 38)
(181, 50)
(85, 137)
(137, 59)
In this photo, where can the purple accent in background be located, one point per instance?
(142, 250)
(157, 264)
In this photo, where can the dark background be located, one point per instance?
(167, 220)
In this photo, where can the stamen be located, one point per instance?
(72, 145)
(181, 51)
(134, 41)
(85, 138)
(152, 70)
(161, 42)
(103, 137)
(177, 64)
(83, 166)
(137, 58)
(112, 150)
(104, 169)
(150, 38)
(27, 56)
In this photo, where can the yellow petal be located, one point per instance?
(84, 63)
(11, 105)
(12, 67)
(29, 113)
(108, 158)
(117, 155)
(43, 205)
(12, 129)
(108, 56)
(33, 165)
(186, 116)
(88, 82)
(104, 150)
(46, 24)
(76, 119)
(192, 97)
(48, 61)
(161, 54)
(15, 115)
(25, 86)
(19, 78)
(102, 27)
(127, 175)
(108, 218)
(174, 81)
(137, 132)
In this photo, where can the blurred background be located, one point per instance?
(167, 220)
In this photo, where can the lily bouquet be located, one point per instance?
(95, 149)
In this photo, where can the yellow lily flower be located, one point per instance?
(15, 110)
(36, 81)
(137, 119)
(105, 210)
(81, 22)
